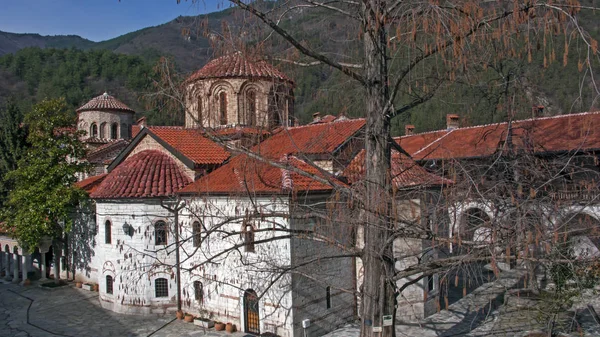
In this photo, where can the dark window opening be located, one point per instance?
(114, 128)
(109, 284)
(160, 233)
(198, 291)
(107, 232)
(223, 108)
(251, 108)
(328, 297)
(94, 131)
(161, 287)
(249, 238)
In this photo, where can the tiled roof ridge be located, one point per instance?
(321, 124)
(105, 102)
(287, 183)
(435, 141)
(500, 123)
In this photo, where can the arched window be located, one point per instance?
(476, 226)
(250, 108)
(196, 229)
(328, 297)
(107, 232)
(223, 108)
(161, 287)
(160, 233)
(103, 131)
(109, 284)
(199, 112)
(249, 238)
(94, 130)
(198, 291)
(114, 131)
(124, 131)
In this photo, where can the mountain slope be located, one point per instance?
(12, 42)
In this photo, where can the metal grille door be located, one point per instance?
(251, 311)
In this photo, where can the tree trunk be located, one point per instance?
(378, 290)
(56, 268)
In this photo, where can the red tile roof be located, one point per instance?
(576, 132)
(91, 184)
(246, 175)
(414, 143)
(105, 102)
(238, 66)
(146, 174)
(406, 172)
(322, 138)
(192, 144)
(243, 174)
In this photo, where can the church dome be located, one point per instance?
(238, 66)
(105, 102)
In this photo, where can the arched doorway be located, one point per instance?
(251, 316)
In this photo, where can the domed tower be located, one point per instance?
(105, 119)
(235, 91)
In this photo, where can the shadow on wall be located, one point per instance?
(82, 239)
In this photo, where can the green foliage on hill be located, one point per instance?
(75, 75)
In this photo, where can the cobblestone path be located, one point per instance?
(71, 312)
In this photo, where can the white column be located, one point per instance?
(25, 268)
(43, 266)
(16, 261)
(7, 262)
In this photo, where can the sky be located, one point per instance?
(96, 20)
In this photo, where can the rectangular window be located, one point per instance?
(161, 287)
(109, 284)
(328, 297)
(198, 291)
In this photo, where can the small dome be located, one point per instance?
(105, 102)
(237, 66)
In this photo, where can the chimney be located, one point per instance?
(452, 121)
(537, 111)
(409, 129)
(316, 117)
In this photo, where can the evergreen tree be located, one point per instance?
(12, 143)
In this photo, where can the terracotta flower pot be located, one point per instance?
(219, 326)
(230, 328)
(179, 314)
(188, 318)
(96, 287)
(27, 282)
(78, 284)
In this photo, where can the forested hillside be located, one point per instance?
(32, 74)
(488, 95)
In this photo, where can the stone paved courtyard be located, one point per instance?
(68, 311)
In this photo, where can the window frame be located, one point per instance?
(222, 99)
(249, 238)
(196, 233)
(109, 284)
(108, 232)
(160, 287)
(164, 230)
(114, 131)
(199, 291)
(94, 130)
